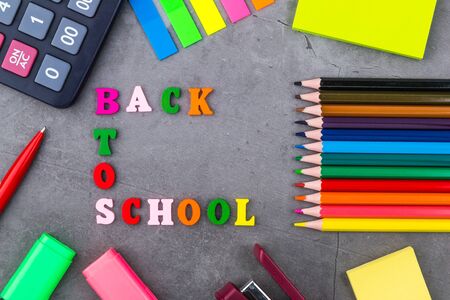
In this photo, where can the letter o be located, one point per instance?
(225, 215)
(182, 212)
(107, 181)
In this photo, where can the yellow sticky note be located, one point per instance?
(209, 15)
(396, 26)
(392, 277)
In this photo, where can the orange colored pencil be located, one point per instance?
(398, 111)
(362, 198)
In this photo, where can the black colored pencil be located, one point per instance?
(376, 84)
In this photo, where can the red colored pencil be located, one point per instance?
(367, 185)
(380, 212)
(18, 170)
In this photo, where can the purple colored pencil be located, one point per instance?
(386, 126)
(426, 121)
(378, 123)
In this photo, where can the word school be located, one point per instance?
(160, 212)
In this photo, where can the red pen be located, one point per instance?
(18, 170)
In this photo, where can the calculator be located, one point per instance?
(47, 47)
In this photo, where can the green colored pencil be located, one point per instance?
(376, 172)
(361, 159)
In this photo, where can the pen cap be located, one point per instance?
(112, 278)
(40, 271)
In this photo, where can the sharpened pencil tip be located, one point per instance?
(301, 134)
(301, 122)
(299, 158)
(43, 129)
(298, 97)
(300, 185)
(300, 146)
(300, 109)
(298, 211)
(298, 83)
(303, 224)
(298, 171)
(300, 198)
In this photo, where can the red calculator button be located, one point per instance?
(2, 38)
(19, 59)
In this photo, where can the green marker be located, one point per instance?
(40, 271)
(182, 22)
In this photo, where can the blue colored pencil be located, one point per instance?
(377, 135)
(378, 147)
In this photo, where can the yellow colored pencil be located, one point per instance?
(378, 225)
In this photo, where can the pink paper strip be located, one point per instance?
(236, 9)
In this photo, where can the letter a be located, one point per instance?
(138, 102)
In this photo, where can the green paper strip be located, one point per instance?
(182, 22)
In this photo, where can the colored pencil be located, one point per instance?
(390, 98)
(377, 185)
(378, 123)
(379, 212)
(376, 84)
(378, 147)
(365, 198)
(360, 159)
(373, 172)
(375, 111)
(378, 225)
(18, 170)
(376, 135)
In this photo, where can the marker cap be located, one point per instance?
(41, 271)
(112, 278)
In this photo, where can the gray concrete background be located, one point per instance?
(245, 150)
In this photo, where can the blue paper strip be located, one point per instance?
(154, 28)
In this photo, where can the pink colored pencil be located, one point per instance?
(379, 212)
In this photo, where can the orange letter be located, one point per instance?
(195, 207)
(199, 105)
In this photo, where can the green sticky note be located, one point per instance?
(182, 22)
(396, 26)
(41, 271)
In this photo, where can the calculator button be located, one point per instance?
(36, 21)
(69, 36)
(19, 59)
(87, 8)
(8, 10)
(2, 39)
(53, 73)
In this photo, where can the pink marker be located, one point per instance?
(236, 9)
(112, 278)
